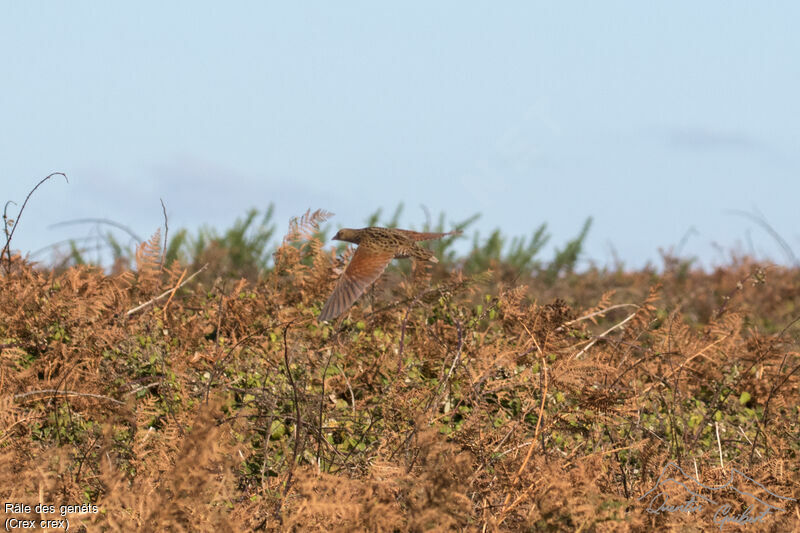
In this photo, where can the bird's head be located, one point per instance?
(349, 235)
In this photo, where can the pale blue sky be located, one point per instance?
(653, 119)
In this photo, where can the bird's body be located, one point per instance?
(376, 248)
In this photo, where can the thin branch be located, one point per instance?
(698, 354)
(7, 248)
(5, 218)
(758, 273)
(349, 387)
(403, 334)
(297, 422)
(59, 392)
(166, 233)
(174, 290)
(165, 293)
(761, 221)
(600, 312)
(602, 335)
(8, 429)
(457, 358)
(521, 469)
(747, 438)
(446, 379)
(322, 407)
(765, 417)
(106, 221)
(372, 420)
(66, 241)
(616, 451)
(145, 387)
(218, 362)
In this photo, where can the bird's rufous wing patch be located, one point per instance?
(365, 267)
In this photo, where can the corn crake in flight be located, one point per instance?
(376, 248)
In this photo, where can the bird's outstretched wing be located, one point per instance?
(419, 236)
(365, 267)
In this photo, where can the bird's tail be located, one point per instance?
(420, 236)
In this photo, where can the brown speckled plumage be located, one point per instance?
(376, 248)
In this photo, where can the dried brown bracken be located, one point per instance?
(225, 405)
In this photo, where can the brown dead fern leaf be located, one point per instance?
(300, 254)
(188, 495)
(324, 502)
(148, 264)
(303, 228)
(644, 313)
(600, 308)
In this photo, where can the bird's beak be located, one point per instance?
(336, 237)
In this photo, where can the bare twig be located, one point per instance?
(165, 293)
(765, 418)
(71, 240)
(761, 221)
(7, 248)
(698, 354)
(296, 449)
(457, 358)
(720, 399)
(513, 448)
(174, 290)
(5, 218)
(602, 335)
(349, 388)
(372, 420)
(218, 363)
(596, 313)
(9, 429)
(144, 387)
(401, 345)
(106, 221)
(507, 508)
(446, 379)
(322, 406)
(747, 438)
(757, 273)
(59, 392)
(616, 451)
(166, 233)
